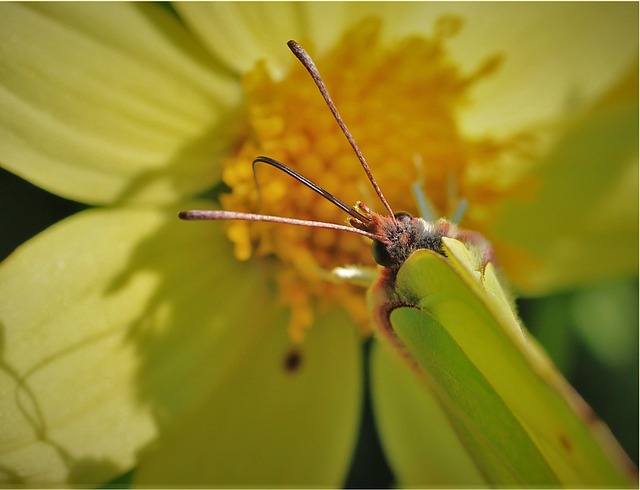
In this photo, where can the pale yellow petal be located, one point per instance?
(284, 416)
(113, 324)
(326, 22)
(103, 102)
(582, 224)
(241, 33)
(556, 56)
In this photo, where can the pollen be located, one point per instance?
(401, 102)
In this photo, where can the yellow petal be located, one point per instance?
(422, 447)
(241, 33)
(108, 102)
(582, 225)
(268, 425)
(113, 324)
(556, 56)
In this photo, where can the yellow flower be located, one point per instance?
(131, 339)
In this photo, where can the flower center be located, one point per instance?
(400, 103)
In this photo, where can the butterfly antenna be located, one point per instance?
(308, 63)
(311, 185)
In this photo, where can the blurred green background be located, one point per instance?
(591, 334)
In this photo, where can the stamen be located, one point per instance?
(425, 206)
(461, 209)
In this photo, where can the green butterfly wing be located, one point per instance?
(518, 418)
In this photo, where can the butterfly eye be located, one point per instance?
(381, 254)
(403, 216)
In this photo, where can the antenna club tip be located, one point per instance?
(295, 48)
(183, 215)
